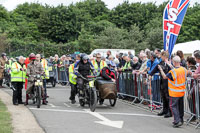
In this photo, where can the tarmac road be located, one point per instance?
(60, 116)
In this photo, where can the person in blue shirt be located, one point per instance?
(151, 64)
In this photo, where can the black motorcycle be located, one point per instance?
(88, 93)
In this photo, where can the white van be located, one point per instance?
(103, 52)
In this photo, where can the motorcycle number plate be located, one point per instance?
(50, 68)
(91, 83)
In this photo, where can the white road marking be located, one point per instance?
(57, 110)
(53, 106)
(105, 121)
(103, 113)
(66, 105)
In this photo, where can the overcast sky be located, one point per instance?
(11, 4)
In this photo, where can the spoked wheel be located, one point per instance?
(93, 99)
(112, 102)
(38, 97)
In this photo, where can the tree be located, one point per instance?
(3, 43)
(191, 26)
(111, 38)
(126, 15)
(4, 19)
(134, 39)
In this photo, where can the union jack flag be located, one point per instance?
(172, 21)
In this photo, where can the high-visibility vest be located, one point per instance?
(16, 74)
(45, 67)
(127, 65)
(97, 68)
(177, 87)
(72, 76)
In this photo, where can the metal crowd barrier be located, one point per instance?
(141, 89)
(61, 75)
(192, 100)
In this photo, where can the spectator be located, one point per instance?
(183, 61)
(158, 54)
(151, 64)
(56, 61)
(91, 58)
(111, 58)
(144, 62)
(196, 74)
(197, 64)
(130, 54)
(103, 58)
(120, 58)
(148, 53)
(62, 70)
(108, 54)
(140, 57)
(163, 85)
(136, 65)
(191, 63)
(123, 62)
(129, 63)
(94, 55)
(116, 60)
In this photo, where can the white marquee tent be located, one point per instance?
(188, 48)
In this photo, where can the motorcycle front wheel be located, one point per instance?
(38, 96)
(93, 99)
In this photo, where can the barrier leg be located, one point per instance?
(189, 120)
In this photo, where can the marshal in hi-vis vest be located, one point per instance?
(45, 67)
(177, 87)
(102, 65)
(16, 74)
(72, 76)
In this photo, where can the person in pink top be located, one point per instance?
(196, 74)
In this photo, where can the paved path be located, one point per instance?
(23, 120)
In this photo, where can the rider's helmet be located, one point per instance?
(32, 56)
(85, 57)
(82, 55)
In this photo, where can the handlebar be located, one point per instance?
(89, 77)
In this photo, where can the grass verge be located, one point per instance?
(5, 119)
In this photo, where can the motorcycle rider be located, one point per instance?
(83, 67)
(33, 68)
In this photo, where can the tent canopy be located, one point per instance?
(188, 47)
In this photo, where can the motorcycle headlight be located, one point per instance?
(38, 76)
